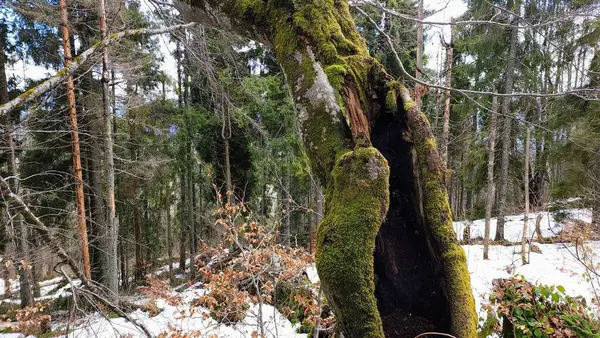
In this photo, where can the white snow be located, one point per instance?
(188, 319)
(513, 226)
(558, 264)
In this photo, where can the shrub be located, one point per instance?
(520, 309)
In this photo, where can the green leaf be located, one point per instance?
(537, 332)
(561, 288)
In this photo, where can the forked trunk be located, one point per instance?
(389, 261)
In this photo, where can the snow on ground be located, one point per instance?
(513, 227)
(557, 264)
(188, 319)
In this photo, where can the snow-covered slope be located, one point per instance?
(557, 264)
(513, 227)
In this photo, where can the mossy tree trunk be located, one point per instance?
(386, 252)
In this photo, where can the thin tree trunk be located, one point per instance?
(287, 233)
(489, 201)
(4, 236)
(446, 123)
(596, 206)
(169, 230)
(22, 241)
(525, 237)
(111, 231)
(419, 61)
(228, 182)
(77, 170)
(137, 223)
(506, 141)
(20, 228)
(190, 214)
(183, 228)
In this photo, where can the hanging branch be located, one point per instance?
(70, 69)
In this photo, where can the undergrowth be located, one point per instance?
(520, 309)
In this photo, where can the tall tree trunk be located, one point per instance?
(182, 222)
(190, 216)
(77, 170)
(4, 236)
(419, 61)
(21, 234)
(506, 141)
(596, 205)
(137, 224)
(446, 123)
(168, 195)
(525, 237)
(489, 197)
(387, 212)
(110, 231)
(287, 199)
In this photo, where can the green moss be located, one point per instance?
(357, 201)
(439, 221)
(390, 101)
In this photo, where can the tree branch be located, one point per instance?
(380, 6)
(69, 70)
(594, 93)
(20, 206)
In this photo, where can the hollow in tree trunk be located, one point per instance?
(388, 258)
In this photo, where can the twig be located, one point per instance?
(435, 333)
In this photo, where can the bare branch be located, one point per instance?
(592, 93)
(567, 17)
(69, 70)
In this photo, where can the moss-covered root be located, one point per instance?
(439, 220)
(357, 202)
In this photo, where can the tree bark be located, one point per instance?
(419, 61)
(287, 221)
(506, 141)
(375, 154)
(4, 235)
(77, 170)
(446, 123)
(596, 205)
(525, 237)
(182, 224)
(489, 200)
(110, 232)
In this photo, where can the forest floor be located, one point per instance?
(562, 263)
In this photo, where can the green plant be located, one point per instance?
(521, 309)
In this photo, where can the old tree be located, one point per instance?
(388, 259)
